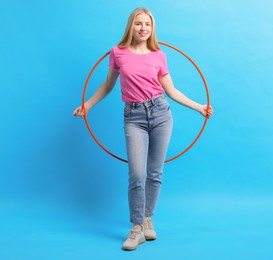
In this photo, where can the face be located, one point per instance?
(142, 28)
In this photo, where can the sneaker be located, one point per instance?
(149, 231)
(136, 238)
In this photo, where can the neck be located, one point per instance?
(139, 47)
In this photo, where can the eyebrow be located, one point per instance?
(141, 22)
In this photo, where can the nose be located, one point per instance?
(143, 27)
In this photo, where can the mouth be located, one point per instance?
(143, 34)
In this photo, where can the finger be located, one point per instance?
(77, 112)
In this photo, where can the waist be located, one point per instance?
(147, 102)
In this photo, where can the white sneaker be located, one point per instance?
(149, 231)
(136, 238)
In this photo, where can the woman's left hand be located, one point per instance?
(205, 111)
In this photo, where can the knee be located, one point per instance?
(154, 177)
(137, 181)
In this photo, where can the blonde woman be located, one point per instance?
(144, 79)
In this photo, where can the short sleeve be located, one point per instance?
(112, 60)
(163, 67)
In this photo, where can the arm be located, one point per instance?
(179, 97)
(105, 88)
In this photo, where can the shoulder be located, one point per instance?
(160, 54)
(116, 49)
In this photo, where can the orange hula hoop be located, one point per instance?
(167, 160)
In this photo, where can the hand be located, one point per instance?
(80, 111)
(205, 111)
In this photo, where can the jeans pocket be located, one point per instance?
(162, 104)
(127, 110)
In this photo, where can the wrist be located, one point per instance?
(199, 108)
(87, 106)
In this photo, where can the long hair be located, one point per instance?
(127, 37)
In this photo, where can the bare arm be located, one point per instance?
(105, 88)
(179, 97)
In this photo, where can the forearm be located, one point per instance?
(176, 95)
(180, 98)
(104, 89)
(101, 93)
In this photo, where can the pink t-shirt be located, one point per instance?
(139, 73)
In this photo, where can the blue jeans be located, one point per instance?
(148, 127)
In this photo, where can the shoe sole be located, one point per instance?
(141, 241)
(150, 238)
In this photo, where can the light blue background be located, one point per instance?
(62, 197)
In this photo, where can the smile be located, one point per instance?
(143, 34)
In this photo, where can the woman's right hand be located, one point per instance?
(80, 111)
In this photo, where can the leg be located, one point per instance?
(137, 149)
(158, 144)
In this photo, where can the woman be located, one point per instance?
(145, 80)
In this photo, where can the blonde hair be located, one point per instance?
(127, 37)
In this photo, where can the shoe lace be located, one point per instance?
(134, 233)
(148, 224)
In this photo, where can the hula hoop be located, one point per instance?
(167, 160)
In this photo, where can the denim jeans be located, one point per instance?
(148, 127)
